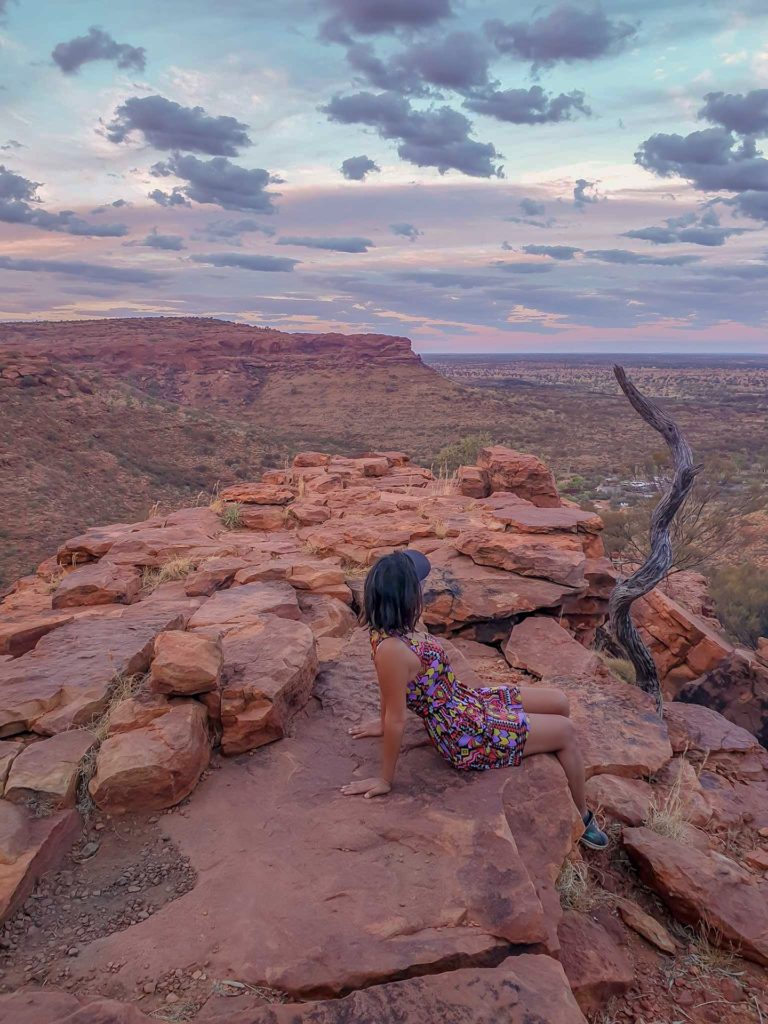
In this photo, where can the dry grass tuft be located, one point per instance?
(707, 953)
(620, 667)
(439, 528)
(667, 815)
(177, 568)
(444, 483)
(231, 515)
(578, 890)
(352, 568)
(176, 1013)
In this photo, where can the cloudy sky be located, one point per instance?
(478, 175)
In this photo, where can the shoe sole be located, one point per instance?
(594, 846)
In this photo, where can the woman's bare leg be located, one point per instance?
(543, 700)
(555, 734)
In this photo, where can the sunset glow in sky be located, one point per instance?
(477, 175)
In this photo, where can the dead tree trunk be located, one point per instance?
(659, 561)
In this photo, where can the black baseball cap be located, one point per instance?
(420, 562)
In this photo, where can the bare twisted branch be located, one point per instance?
(659, 561)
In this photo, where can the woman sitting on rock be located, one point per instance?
(473, 726)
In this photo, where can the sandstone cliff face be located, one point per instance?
(207, 664)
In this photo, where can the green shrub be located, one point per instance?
(740, 593)
(462, 452)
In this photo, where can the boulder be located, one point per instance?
(99, 583)
(269, 669)
(322, 577)
(522, 516)
(137, 712)
(47, 841)
(705, 734)
(735, 802)
(257, 494)
(44, 774)
(93, 544)
(757, 859)
(154, 547)
(153, 767)
(522, 474)
(230, 609)
(542, 648)
(304, 459)
(458, 592)
(647, 926)
(263, 517)
(705, 887)
(625, 800)
(473, 481)
(306, 514)
(14, 831)
(20, 635)
(326, 616)
(552, 557)
(185, 664)
(65, 681)
(737, 687)
(520, 990)
(213, 574)
(596, 967)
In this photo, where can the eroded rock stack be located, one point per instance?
(144, 650)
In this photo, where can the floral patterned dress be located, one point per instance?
(473, 728)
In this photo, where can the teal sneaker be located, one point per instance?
(593, 836)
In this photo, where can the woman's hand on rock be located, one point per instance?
(372, 728)
(367, 788)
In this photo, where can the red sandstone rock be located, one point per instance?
(137, 712)
(595, 965)
(306, 514)
(14, 831)
(705, 733)
(624, 800)
(213, 574)
(473, 481)
(541, 647)
(48, 840)
(92, 544)
(100, 583)
(556, 558)
(458, 592)
(311, 459)
(524, 475)
(519, 990)
(757, 859)
(45, 773)
(263, 517)
(269, 669)
(303, 573)
(185, 664)
(154, 767)
(523, 516)
(257, 494)
(229, 609)
(8, 752)
(18, 636)
(737, 687)
(647, 926)
(680, 779)
(154, 547)
(326, 616)
(705, 887)
(66, 679)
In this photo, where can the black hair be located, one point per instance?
(392, 600)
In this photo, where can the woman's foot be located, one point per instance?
(593, 836)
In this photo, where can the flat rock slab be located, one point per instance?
(20, 635)
(596, 966)
(625, 800)
(556, 557)
(706, 733)
(539, 645)
(521, 990)
(428, 878)
(64, 682)
(241, 606)
(99, 583)
(704, 887)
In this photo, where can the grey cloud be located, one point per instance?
(406, 230)
(352, 244)
(355, 168)
(458, 61)
(753, 204)
(433, 138)
(12, 144)
(231, 230)
(371, 17)
(532, 208)
(97, 45)
(217, 181)
(744, 113)
(528, 106)
(555, 252)
(154, 240)
(567, 33)
(625, 256)
(78, 268)
(247, 261)
(581, 194)
(117, 204)
(166, 124)
(523, 268)
(712, 159)
(20, 204)
(441, 278)
(697, 229)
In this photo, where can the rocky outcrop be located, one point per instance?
(44, 774)
(705, 887)
(523, 474)
(185, 664)
(737, 687)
